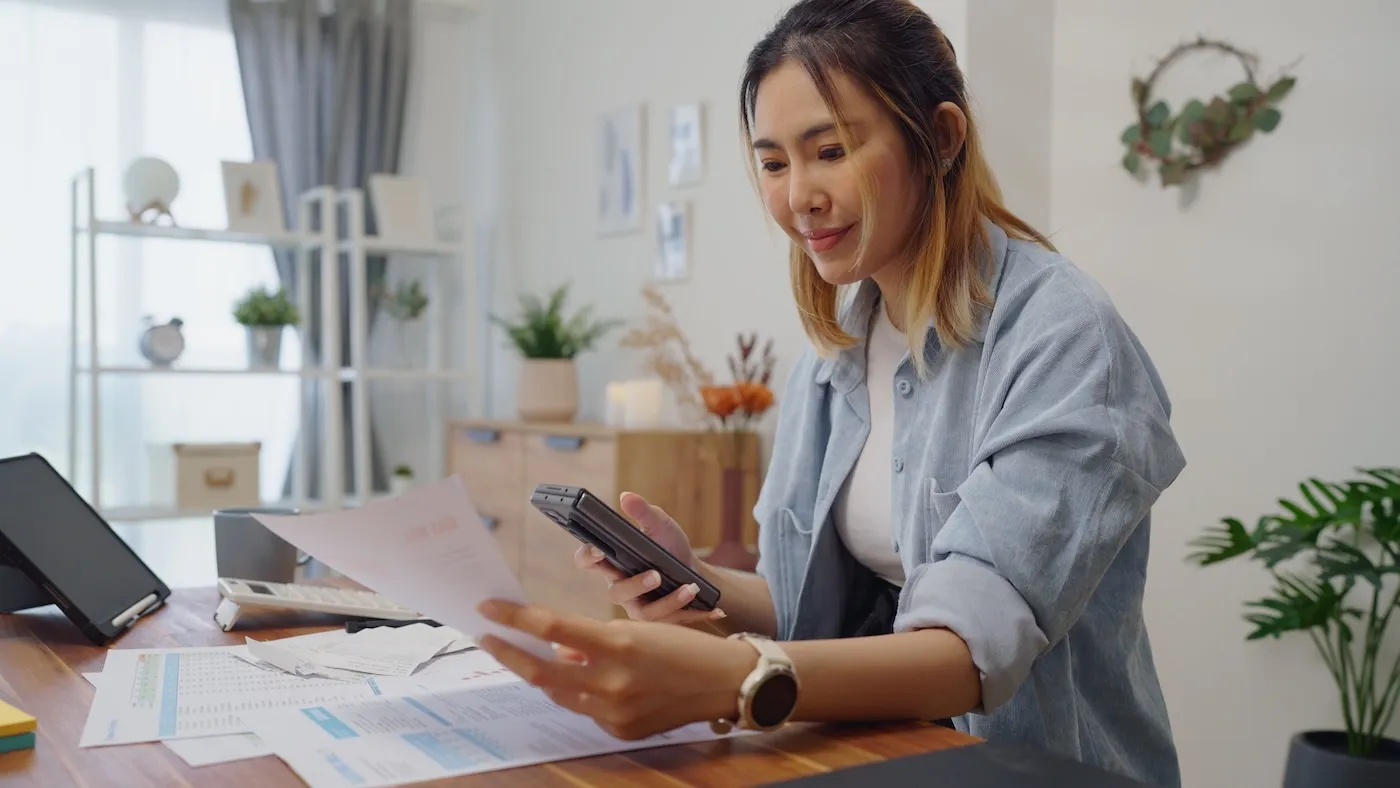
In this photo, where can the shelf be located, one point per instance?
(346, 374)
(127, 514)
(130, 370)
(131, 229)
(406, 374)
(375, 245)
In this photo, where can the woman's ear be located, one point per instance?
(949, 129)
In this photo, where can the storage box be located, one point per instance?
(206, 476)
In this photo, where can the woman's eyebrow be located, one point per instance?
(813, 131)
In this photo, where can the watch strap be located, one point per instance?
(772, 660)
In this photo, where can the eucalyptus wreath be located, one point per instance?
(1203, 132)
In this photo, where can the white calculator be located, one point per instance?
(239, 595)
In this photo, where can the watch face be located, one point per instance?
(774, 700)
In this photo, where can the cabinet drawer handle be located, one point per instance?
(482, 435)
(491, 523)
(219, 478)
(564, 442)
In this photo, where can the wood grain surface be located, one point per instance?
(42, 657)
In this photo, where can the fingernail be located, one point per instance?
(652, 580)
(717, 614)
(688, 592)
(595, 553)
(488, 609)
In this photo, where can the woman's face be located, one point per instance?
(809, 179)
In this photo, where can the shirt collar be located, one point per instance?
(847, 367)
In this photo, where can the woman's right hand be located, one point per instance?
(630, 592)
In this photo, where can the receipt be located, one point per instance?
(426, 549)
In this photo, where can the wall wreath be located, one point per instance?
(1203, 133)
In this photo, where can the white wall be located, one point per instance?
(1269, 306)
(1009, 76)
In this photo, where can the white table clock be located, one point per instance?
(162, 344)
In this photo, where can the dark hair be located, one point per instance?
(894, 50)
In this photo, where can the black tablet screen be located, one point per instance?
(72, 547)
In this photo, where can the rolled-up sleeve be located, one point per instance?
(1066, 467)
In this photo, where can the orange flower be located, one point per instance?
(721, 401)
(755, 397)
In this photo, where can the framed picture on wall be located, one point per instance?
(687, 151)
(620, 171)
(672, 242)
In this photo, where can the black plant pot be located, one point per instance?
(1319, 759)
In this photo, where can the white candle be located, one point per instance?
(616, 415)
(643, 403)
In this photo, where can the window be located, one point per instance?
(96, 85)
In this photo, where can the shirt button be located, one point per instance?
(904, 387)
(898, 465)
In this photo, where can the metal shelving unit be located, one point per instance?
(315, 207)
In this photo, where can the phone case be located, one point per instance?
(624, 545)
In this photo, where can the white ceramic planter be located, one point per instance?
(547, 390)
(264, 347)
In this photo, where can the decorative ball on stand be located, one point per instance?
(150, 186)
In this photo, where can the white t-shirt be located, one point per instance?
(863, 503)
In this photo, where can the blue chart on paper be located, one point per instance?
(459, 748)
(329, 723)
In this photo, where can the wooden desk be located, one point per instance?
(42, 656)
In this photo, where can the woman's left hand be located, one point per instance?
(634, 678)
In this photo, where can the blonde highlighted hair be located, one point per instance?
(894, 50)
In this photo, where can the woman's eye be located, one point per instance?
(772, 166)
(831, 153)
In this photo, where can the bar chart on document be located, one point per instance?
(150, 695)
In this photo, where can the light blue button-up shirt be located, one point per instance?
(1024, 468)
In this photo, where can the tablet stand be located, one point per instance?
(18, 592)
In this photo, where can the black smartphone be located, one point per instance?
(624, 545)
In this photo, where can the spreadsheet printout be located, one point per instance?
(156, 694)
(431, 735)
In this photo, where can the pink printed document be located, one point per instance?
(426, 549)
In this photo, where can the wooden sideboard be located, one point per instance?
(678, 470)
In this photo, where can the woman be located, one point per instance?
(954, 523)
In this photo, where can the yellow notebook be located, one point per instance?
(13, 721)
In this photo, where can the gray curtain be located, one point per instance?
(325, 86)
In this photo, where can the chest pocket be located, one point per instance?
(941, 499)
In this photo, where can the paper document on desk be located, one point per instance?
(209, 750)
(393, 741)
(380, 651)
(155, 694)
(450, 671)
(426, 549)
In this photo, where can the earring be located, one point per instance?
(946, 163)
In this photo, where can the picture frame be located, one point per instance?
(253, 196)
(621, 170)
(402, 209)
(687, 165)
(672, 262)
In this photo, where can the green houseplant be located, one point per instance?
(401, 480)
(1334, 554)
(548, 342)
(264, 313)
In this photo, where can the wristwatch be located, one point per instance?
(768, 695)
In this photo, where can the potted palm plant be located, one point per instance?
(1340, 543)
(263, 314)
(548, 342)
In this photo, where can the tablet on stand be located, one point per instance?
(58, 550)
